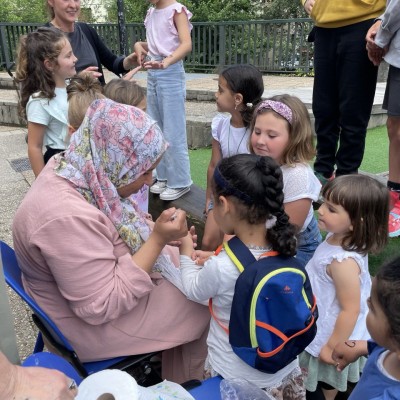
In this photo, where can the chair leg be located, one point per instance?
(39, 345)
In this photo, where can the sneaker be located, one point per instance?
(158, 187)
(173, 194)
(394, 220)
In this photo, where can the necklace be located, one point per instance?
(229, 140)
(255, 247)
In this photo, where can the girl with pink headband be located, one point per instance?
(281, 129)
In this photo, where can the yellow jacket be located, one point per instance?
(337, 13)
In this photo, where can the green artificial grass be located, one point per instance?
(375, 158)
(375, 161)
(199, 160)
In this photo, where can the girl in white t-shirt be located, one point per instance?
(45, 61)
(281, 129)
(248, 196)
(240, 88)
(355, 213)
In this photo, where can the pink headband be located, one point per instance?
(280, 108)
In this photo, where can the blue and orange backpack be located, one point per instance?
(274, 312)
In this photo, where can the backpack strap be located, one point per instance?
(242, 257)
(240, 254)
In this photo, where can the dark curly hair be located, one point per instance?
(256, 184)
(388, 294)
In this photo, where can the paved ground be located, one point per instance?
(14, 185)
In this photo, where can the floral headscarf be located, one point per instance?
(113, 147)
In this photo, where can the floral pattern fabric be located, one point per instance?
(113, 147)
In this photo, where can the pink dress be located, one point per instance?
(78, 269)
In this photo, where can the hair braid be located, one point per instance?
(256, 184)
(282, 234)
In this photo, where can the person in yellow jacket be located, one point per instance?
(344, 82)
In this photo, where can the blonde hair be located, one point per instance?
(44, 44)
(300, 147)
(82, 90)
(125, 92)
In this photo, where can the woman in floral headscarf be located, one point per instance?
(89, 255)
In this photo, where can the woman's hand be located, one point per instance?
(92, 71)
(192, 232)
(131, 61)
(171, 225)
(35, 383)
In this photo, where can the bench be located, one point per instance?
(192, 202)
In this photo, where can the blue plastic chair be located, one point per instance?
(56, 341)
(208, 390)
(52, 361)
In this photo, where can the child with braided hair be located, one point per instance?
(248, 203)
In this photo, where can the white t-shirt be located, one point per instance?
(216, 280)
(232, 140)
(54, 115)
(324, 291)
(299, 182)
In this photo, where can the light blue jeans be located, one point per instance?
(308, 241)
(166, 95)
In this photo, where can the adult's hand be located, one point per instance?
(371, 34)
(131, 61)
(193, 235)
(308, 6)
(93, 71)
(35, 383)
(171, 225)
(375, 53)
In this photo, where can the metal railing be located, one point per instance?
(274, 46)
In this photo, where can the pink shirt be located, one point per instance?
(78, 269)
(161, 33)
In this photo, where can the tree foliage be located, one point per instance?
(217, 10)
(135, 10)
(23, 11)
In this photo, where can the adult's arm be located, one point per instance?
(88, 262)
(390, 24)
(93, 272)
(33, 383)
(107, 58)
